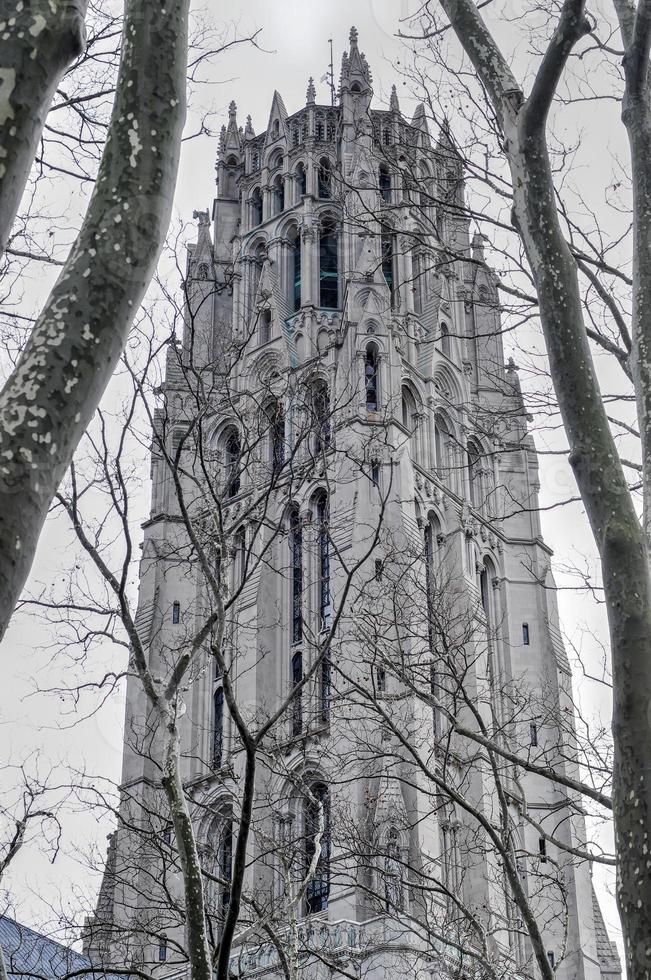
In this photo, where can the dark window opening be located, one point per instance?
(265, 326)
(371, 379)
(231, 464)
(525, 634)
(176, 612)
(323, 557)
(296, 533)
(387, 262)
(218, 728)
(162, 949)
(385, 184)
(297, 700)
(542, 850)
(552, 959)
(379, 569)
(445, 340)
(380, 680)
(328, 267)
(301, 178)
(318, 889)
(321, 417)
(296, 272)
(326, 687)
(324, 179)
(276, 418)
(226, 865)
(256, 207)
(533, 734)
(375, 473)
(279, 194)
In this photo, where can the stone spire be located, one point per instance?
(248, 129)
(354, 67)
(310, 97)
(394, 105)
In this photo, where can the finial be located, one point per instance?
(248, 130)
(394, 105)
(232, 110)
(511, 365)
(353, 37)
(203, 217)
(311, 92)
(222, 138)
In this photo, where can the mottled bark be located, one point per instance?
(39, 40)
(619, 535)
(186, 844)
(50, 397)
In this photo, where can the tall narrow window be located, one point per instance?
(256, 207)
(218, 728)
(295, 269)
(429, 581)
(417, 275)
(317, 811)
(387, 261)
(276, 418)
(551, 958)
(442, 448)
(162, 948)
(301, 180)
(279, 194)
(297, 700)
(533, 734)
(328, 266)
(393, 895)
(474, 476)
(296, 545)
(265, 327)
(385, 183)
(225, 866)
(525, 634)
(240, 557)
(323, 560)
(446, 347)
(325, 178)
(371, 378)
(321, 416)
(176, 613)
(542, 850)
(326, 686)
(232, 451)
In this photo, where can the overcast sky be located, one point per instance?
(294, 42)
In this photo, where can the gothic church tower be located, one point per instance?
(372, 522)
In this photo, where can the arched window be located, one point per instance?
(409, 410)
(417, 269)
(385, 183)
(255, 160)
(431, 543)
(232, 455)
(295, 135)
(393, 886)
(446, 347)
(387, 245)
(218, 727)
(295, 269)
(256, 264)
(278, 191)
(256, 207)
(275, 129)
(474, 474)
(320, 409)
(442, 448)
(276, 438)
(162, 948)
(325, 178)
(230, 178)
(328, 265)
(239, 565)
(371, 378)
(331, 127)
(386, 136)
(301, 179)
(297, 700)
(317, 817)
(265, 326)
(319, 128)
(296, 555)
(323, 562)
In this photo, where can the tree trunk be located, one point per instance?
(617, 530)
(50, 397)
(39, 41)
